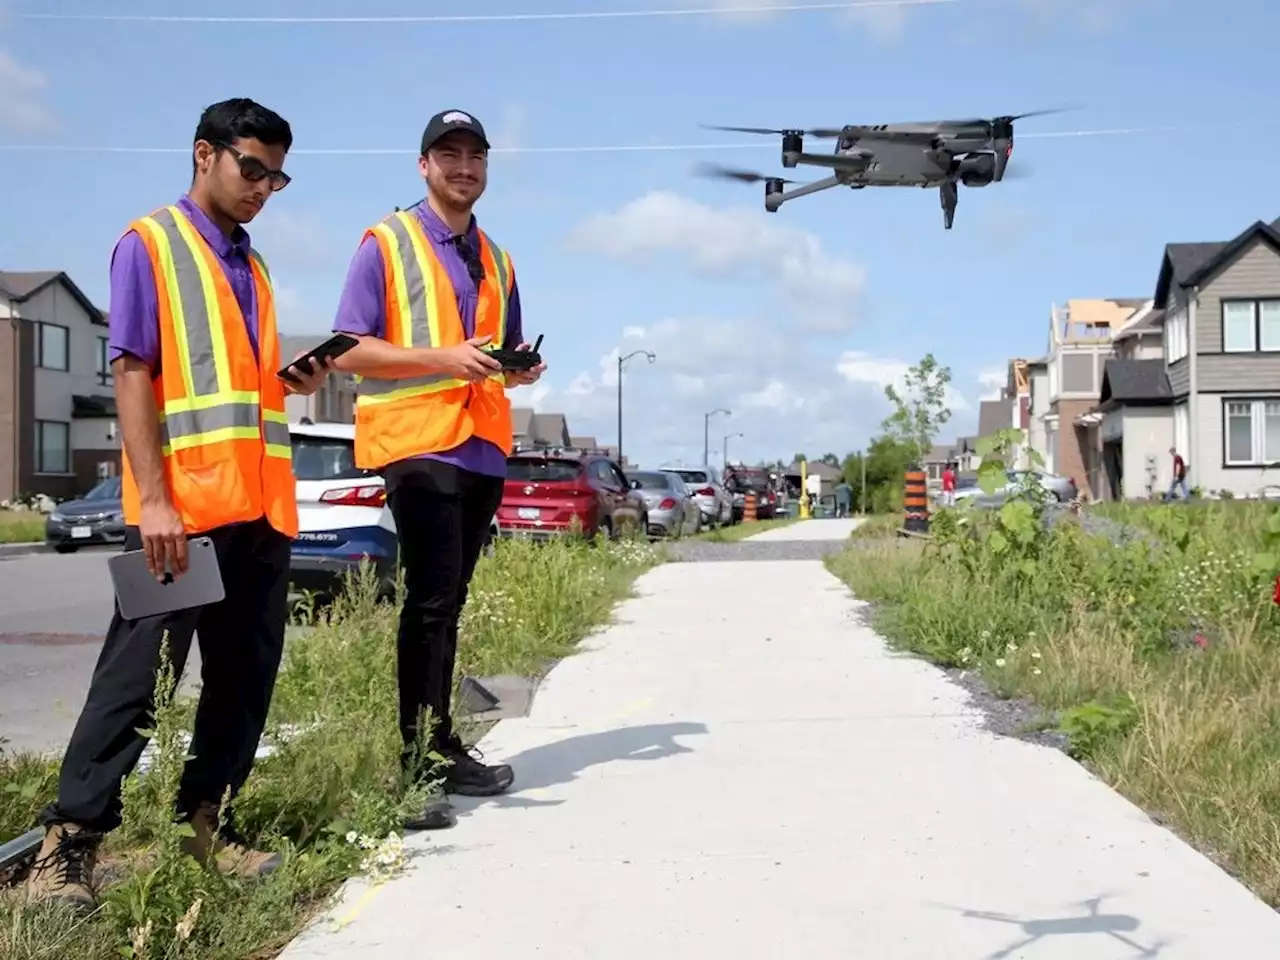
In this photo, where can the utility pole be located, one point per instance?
(863, 489)
(621, 361)
(725, 449)
(706, 432)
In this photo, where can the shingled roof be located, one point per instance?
(21, 285)
(1135, 383)
(1189, 264)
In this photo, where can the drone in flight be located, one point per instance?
(941, 153)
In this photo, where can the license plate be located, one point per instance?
(81, 533)
(528, 513)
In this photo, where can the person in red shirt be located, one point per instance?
(948, 486)
(1179, 476)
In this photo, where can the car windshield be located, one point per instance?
(649, 481)
(542, 469)
(749, 481)
(325, 458)
(692, 476)
(966, 483)
(108, 489)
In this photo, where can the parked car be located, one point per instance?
(96, 518)
(1061, 489)
(549, 493)
(673, 511)
(756, 480)
(709, 493)
(342, 509)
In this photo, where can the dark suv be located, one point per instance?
(548, 492)
(744, 479)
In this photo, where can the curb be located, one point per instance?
(21, 549)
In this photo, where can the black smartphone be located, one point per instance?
(335, 346)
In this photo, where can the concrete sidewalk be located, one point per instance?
(757, 777)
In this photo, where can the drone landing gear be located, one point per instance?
(950, 197)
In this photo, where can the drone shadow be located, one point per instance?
(1117, 926)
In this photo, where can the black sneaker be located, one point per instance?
(436, 814)
(467, 776)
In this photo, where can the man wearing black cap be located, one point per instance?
(426, 290)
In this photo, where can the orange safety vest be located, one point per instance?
(224, 430)
(400, 419)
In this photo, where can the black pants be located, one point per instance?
(241, 640)
(442, 516)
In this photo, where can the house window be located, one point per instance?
(1175, 337)
(53, 447)
(104, 362)
(1251, 432)
(52, 346)
(1250, 326)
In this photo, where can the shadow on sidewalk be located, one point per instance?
(563, 760)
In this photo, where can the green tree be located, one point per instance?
(920, 407)
(851, 470)
(887, 461)
(831, 459)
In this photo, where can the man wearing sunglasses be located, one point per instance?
(426, 291)
(206, 452)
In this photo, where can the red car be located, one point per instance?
(546, 494)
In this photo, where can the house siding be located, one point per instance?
(1209, 473)
(1180, 376)
(1148, 435)
(1255, 273)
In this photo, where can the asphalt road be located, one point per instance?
(54, 611)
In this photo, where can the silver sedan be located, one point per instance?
(672, 510)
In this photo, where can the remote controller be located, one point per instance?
(518, 359)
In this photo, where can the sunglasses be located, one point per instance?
(475, 269)
(253, 169)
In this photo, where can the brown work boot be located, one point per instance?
(231, 855)
(63, 869)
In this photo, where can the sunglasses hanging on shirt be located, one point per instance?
(475, 269)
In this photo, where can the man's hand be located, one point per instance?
(467, 361)
(310, 376)
(520, 378)
(163, 539)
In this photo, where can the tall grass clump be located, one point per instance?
(1158, 654)
(328, 795)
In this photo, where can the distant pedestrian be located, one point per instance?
(1179, 477)
(949, 485)
(844, 499)
(206, 451)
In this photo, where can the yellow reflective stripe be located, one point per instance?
(275, 450)
(212, 400)
(175, 301)
(426, 260)
(398, 282)
(217, 334)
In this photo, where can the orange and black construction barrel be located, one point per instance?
(915, 502)
(749, 506)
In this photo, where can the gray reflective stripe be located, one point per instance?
(190, 423)
(196, 322)
(500, 259)
(276, 434)
(417, 285)
(372, 388)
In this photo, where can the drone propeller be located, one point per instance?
(828, 133)
(728, 173)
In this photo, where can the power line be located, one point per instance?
(617, 148)
(488, 17)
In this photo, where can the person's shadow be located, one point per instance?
(562, 761)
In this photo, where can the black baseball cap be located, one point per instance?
(447, 121)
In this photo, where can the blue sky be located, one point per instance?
(792, 320)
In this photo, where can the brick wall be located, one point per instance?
(1074, 456)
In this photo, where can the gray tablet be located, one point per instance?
(140, 594)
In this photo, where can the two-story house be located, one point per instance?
(58, 431)
(1221, 336)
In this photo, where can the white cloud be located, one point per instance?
(23, 108)
(858, 367)
(991, 382)
(733, 243)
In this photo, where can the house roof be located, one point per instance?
(824, 470)
(22, 285)
(521, 421)
(994, 415)
(1189, 264)
(1148, 324)
(939, 454)
(583, 443)
(1135, 383)
(550, 428)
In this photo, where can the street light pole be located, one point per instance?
(706, 432)
(621, 361)
(725, 449)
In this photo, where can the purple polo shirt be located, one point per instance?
(362, 313)
(134, 316)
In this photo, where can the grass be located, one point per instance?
(329, 797)
(747, 528)
(878, 526)
(1161, 663)
(21, 526)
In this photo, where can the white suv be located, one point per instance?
(706, 485)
